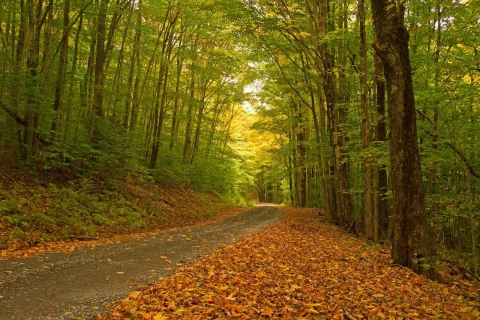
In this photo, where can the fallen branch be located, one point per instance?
(461, 268)
(351, 225)
(167, 202)
(359, 256)
(341, 259)
(6, 175)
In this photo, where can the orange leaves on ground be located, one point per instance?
(297, 269)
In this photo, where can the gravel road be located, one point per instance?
(80, 284)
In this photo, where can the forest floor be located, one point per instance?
(299, 269)
(43, 210)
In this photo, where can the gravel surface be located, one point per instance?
(80, 284)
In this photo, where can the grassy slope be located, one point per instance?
(39, 208)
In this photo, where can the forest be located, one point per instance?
(365, 110)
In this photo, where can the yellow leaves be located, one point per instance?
(332, 279)
(179, 312)
(304, 34)
(209, 298)
(465, 309)
(134, 295)
(294, 287)
(268, 311)
(145, 315)
(271, 14)
(260, 273)
(282, 59)
(390, 6)
(311, 311)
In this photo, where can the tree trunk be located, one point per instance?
(411, 245)
(370, 222)
(101, 57)
(62, 60)
(381, 201)
(190, 115)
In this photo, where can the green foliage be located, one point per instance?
(70, 211)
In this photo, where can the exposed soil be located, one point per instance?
(80, 284)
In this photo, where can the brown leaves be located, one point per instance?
(297, 269)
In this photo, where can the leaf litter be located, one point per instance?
(298, 269)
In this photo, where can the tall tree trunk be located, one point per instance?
(62, 61)
(340, 169)
(411, 243)
(176, 104)
(381, 200)
(129, 113)
(370, 222)
(190, 115)
(438, 44)
(36, 20)
(101, 57)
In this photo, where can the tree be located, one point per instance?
(411, 246)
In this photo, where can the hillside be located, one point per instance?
(40, 210)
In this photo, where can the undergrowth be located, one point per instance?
(32, 213)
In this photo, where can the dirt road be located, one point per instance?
(80, 284)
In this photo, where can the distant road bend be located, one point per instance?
(80, 284)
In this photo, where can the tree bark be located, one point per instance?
(411, 246)
(367, 168)
(381, 201)
(62, 61)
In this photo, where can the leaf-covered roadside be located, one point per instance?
(298, 269)
(53, 212)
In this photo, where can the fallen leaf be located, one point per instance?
(145, 315)
(179, 312)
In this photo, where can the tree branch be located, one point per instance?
(22, 122)
(14, 115)
(460, 153)
(464, 159)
